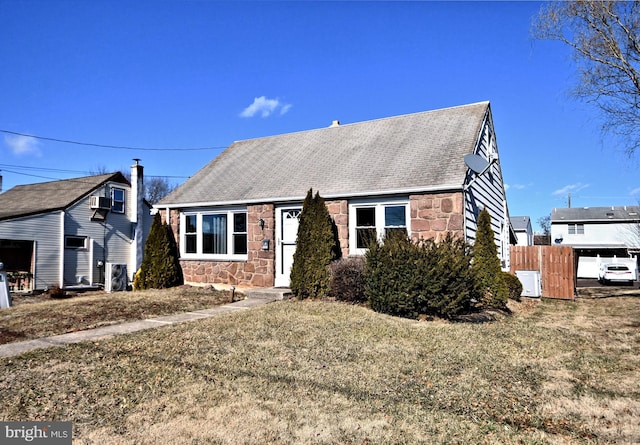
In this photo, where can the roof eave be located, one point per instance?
(284, 199)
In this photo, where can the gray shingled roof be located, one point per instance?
(520, 222)
(595, 214)
(31, 199)
(422, 151)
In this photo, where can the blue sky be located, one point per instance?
(202, 74)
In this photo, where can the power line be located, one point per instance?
(27, 174)
(117, 147)
(12, 167)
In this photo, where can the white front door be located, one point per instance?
(286, 233)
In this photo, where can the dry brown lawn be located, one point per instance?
(329, 373)
(41, 316)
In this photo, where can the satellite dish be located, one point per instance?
(476, 163)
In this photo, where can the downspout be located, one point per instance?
(61, 270)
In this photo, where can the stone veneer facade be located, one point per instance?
(435, 215)
(432, 216)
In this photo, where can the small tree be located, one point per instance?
(316, 247)
(545, 224)
(160, 267)
(156, 188)
(486, 265)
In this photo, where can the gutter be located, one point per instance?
(408, 191)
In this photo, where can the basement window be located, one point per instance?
(75, 242)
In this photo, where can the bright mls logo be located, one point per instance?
(39, 433)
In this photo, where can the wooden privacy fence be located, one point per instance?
(556, 265)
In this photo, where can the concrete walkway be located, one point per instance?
(257, 297)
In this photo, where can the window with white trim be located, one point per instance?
(370, 220)
(576, 229)
(117, 200)
(220, 234)
(75, 242)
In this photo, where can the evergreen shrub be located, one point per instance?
(347, 280)
(514, 286)
(486, 265)
(316, 248)
(407, 279)
(160, 266)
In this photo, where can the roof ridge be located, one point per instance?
(379, 119)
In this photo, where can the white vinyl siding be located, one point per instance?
(108, 241)
(596, 233)
(487, 191)
(44, 230)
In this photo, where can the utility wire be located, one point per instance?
(117, 147)
(3, 167)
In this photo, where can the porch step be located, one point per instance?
(269, 293)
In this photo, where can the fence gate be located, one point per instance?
(556, 265)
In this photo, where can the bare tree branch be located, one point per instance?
(605, 37)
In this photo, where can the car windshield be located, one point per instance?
(619, 268)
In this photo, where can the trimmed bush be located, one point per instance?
(316, 248)
(347, 280)
(160, 267)
(486, 265)
(514, 286)
(406, 279)
(450, 285)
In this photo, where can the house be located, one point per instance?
(524, 232)
(75, 232)
(236, 219)
(597, 233)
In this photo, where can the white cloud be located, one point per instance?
(265, 107)
(635, 191)
(571, 188)
(285, 108)
(515, 186)
(23, 145)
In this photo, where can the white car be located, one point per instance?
(616, 273)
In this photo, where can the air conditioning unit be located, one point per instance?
(100, 202)
(116, 279)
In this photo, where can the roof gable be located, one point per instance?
(421, 151)
(31, 199)
(520, 223)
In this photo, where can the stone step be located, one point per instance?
(269, 293)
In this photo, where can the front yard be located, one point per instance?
(319, 372)
(40, 316)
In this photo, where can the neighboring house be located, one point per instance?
(70, 233)
(524, 232)
(594, 232)
(236, 219)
